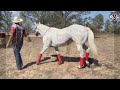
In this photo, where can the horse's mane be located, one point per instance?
(43, 25)
(64, 27)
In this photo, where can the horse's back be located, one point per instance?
(58, 36)
(77, 29)
(78, 33)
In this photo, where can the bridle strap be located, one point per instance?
(46, 32)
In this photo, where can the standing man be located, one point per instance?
(17, 33)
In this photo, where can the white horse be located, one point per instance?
(55, 37)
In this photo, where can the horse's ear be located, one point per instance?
(35, 23)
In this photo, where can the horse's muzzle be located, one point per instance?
(37, 33)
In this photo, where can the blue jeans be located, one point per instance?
(17, 55)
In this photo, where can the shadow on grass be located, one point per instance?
(64, 59)
(77, 59)
(32, 63)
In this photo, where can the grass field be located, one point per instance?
(108, 59)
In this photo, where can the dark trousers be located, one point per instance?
(17, 55)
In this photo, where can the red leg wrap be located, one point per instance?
(39, 58)
(59, 59)
(81, 61)
(87, 56)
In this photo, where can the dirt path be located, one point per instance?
(108, 58)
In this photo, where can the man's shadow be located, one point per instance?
(77, 59)
(32, 63)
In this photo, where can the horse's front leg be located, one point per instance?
(80, 48)
(58, 55)
(41, 53)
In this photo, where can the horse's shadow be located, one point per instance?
(76, 59)
(64, 59)
(32, 63)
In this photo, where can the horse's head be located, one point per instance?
(36, 30)
(37, 33)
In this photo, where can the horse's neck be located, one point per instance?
(43, 29)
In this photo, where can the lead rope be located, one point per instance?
(16, 35)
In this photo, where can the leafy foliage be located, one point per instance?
(60, 19)
(5, 18)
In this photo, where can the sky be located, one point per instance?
(15, 13)
(92, 14)
(104, 13)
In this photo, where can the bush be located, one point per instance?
(3, 42)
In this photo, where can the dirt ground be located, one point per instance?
(105, 66)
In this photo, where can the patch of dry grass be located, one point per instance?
(108, 57)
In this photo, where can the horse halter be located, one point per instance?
(35, 27)
(46, 31)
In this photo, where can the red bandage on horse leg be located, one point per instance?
(39, 58)
(59, 59)
(81, 61)
(87, 56)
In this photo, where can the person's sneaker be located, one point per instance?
(19, 68)
(21, 64)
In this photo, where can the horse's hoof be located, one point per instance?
(37, 63)
(80, 67)
(87, 63)
(59, 63)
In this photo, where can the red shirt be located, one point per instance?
(12, 30)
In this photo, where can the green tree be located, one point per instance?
(108, 26)
(98, 23)
(71, 17)
(116, 27)
(86, 21)
(59, 19)
(5, 18)
(0, 19)
(26, 22)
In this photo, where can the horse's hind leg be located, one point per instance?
(41, 53)
(87, 55)
(58, 55)
(87, 50)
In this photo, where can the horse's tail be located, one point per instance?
(91, 42)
